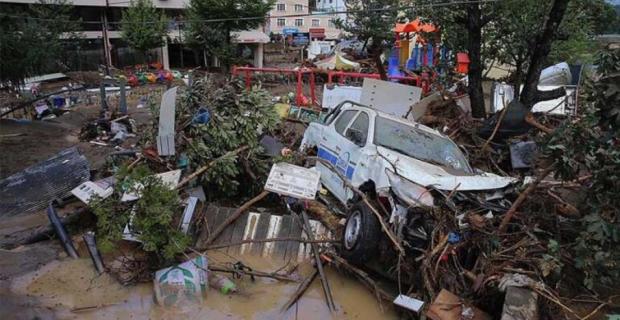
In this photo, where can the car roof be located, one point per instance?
(402, 120)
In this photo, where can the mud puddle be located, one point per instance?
(71, 289)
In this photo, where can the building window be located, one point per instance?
(281, 22)
(316, 22)
(299, 22)
(331, 23)
(299, 8)
(281, 7)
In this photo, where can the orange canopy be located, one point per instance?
(414, 26)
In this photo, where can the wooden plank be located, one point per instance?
(285, 228)
(237, 232)
(226, 235)
(208, 226)
(261, 233)
(272, 232)
(292, 247)
(220, 216)
(249, 231)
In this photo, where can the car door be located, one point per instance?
(341, 145)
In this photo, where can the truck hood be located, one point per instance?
(427, 174)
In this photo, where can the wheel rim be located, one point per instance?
(352, 230)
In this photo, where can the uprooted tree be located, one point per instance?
(238, 117)
(153, 218)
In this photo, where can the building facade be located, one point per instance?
(298, 16)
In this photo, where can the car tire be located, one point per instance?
(361, 234)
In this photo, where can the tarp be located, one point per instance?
(36, 186)
(338, 62)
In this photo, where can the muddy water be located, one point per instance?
(69, 288)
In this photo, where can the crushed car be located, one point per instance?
(405, 167)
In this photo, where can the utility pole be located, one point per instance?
(106, 40)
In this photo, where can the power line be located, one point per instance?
(311, 14)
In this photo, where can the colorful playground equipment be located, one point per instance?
(418, 45)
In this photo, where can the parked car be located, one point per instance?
(403, 166)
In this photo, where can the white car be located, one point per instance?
(403, 165)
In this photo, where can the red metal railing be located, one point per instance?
(299, 73)
(422, 81)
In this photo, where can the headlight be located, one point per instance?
(413, 194)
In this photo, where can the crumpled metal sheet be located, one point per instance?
(34, 187)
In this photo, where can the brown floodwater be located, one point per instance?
(71, 289)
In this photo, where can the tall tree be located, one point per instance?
(32, 38)
(143, 26)
(517, 31)
(372, 22)
(210, 23)
(540, 49)
(461, 24)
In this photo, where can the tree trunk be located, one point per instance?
(474, 44)
(376, 52)
(542, 46)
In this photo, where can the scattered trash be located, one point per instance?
(61, 232)
(523, 154)
(448, 306)
(407, 302)
(87, 189)
(292, 180)
(188, 213)
(520, 303)
(185, 282)
(202, 116)
(221, 283)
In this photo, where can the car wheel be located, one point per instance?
(361, 234)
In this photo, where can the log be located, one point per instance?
(339, 262)
(254, 273)
(521, 198)
(300, 290)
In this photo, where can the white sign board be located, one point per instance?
(294, 181)
(333, 95)
(389, 97)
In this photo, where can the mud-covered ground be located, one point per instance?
(40, 282)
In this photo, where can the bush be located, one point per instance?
(239, 117)
(589, 145)
(152, 217)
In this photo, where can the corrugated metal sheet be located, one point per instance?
(33, 188)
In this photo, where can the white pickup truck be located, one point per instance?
(401, 164)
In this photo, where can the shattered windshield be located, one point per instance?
(419, 144)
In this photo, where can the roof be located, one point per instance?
(250, 36)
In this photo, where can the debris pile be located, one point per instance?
(437, 213)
